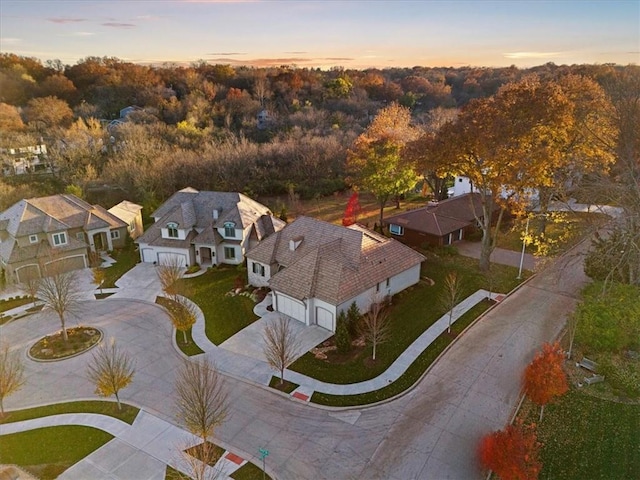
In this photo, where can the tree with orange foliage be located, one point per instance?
(544, 378)
(512, 453)
(352, 211)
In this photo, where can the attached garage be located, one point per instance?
(66, 264)
(27, 272)
(291, 307)
(168, 258)
(324, 319)
(149, 255)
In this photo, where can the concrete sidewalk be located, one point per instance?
(499, 255)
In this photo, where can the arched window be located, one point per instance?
(172, 230)
(230, 229)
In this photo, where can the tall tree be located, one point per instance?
(110, 369)
(451, 294)
(375, 325)
(11, 374)
(60, 292)
(183, 315)
(544, 378)
(281, 344)
(512, 453)
(375, 162)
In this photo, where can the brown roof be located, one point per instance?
(441, 218)
(331, 262)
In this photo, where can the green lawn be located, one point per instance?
(587, 437)
(249, 472)
(190, 348)
(413, 373)
(47, 452)
(225, 315)
(126, 258)
(127, 414)
(413, 311)
(13, 303)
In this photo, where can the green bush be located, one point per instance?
(343, 338)
(622, 375)
(353, 319)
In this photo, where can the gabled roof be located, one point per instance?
(441, 218)
(126, 211)
(190, 208)
(331, 262)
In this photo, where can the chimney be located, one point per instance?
(295, 242)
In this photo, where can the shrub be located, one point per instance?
(353, 319)
(343, 338)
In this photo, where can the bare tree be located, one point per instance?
(201, 398)
(282, 344)
(111, 370)
(170, 272)
(375, 326)
(60, 292)
(11, 374)
(451, 295)
(31, 287)
(99, 277)
(198, 462)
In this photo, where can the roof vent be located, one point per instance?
(216, 212)
(295, 242)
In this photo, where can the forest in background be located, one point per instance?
(198, 125)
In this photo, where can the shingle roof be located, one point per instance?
(442, 218)
(331, 262)
(125, 210)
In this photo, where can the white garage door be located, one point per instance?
(324, 319)
(291, 308)
(165, 258)
(149, 255)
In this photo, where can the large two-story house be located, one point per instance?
(206, 228)
(60, 230)
(316, 269)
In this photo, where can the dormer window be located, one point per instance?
(172, 230)
(230, 229)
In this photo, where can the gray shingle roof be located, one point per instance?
(332, 263)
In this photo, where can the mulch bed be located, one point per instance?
(54, 347)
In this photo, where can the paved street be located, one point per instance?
(429, 433)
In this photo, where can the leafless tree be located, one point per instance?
(11, 374)
(31, 287)
(198, 462)
(60, 292)
(375, 326)
(170, 272)
(111, 370)
(451, 295)
(99, 277)
(282, 344)
(201, 398)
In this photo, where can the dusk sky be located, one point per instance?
(307, 33)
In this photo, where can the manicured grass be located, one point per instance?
(249, 472)
(189, 348)
(13, 303)
(126, 258)
(286, 387)
(413, 311)
(225, 315)
(588, 437)
(47, 452)
(413, 373)
(127, 414)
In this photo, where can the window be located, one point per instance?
(230, 230)
(388, 282)
(229, 253)
(115, 234)
(33, 238)
(132, 226)
(80, 236)
(59, 238)
(396, 229)
(258, 269)
(172, 230)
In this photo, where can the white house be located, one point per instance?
(316, 269)
(206, 228)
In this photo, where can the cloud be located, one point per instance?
(10, 41)
(338, 59)
(520, 55)
(82, 34)
(66, 20)
(227, 54)
(296, 53)
(118, 25)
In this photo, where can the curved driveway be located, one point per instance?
(429, 433)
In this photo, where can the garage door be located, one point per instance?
(172, 259)
(28, 272)
(149, 255)
(324, 319)
(65, 265)
(291, 308)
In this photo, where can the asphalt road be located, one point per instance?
(431, 432)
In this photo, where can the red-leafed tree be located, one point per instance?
(544, 378)
(352, 211)
(512, 453)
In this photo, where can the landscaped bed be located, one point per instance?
(55, 347)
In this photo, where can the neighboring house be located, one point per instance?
(131, 214)
(38, 232)
(316, 269)
(439, 223)
(207, 228)
(18, 161)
